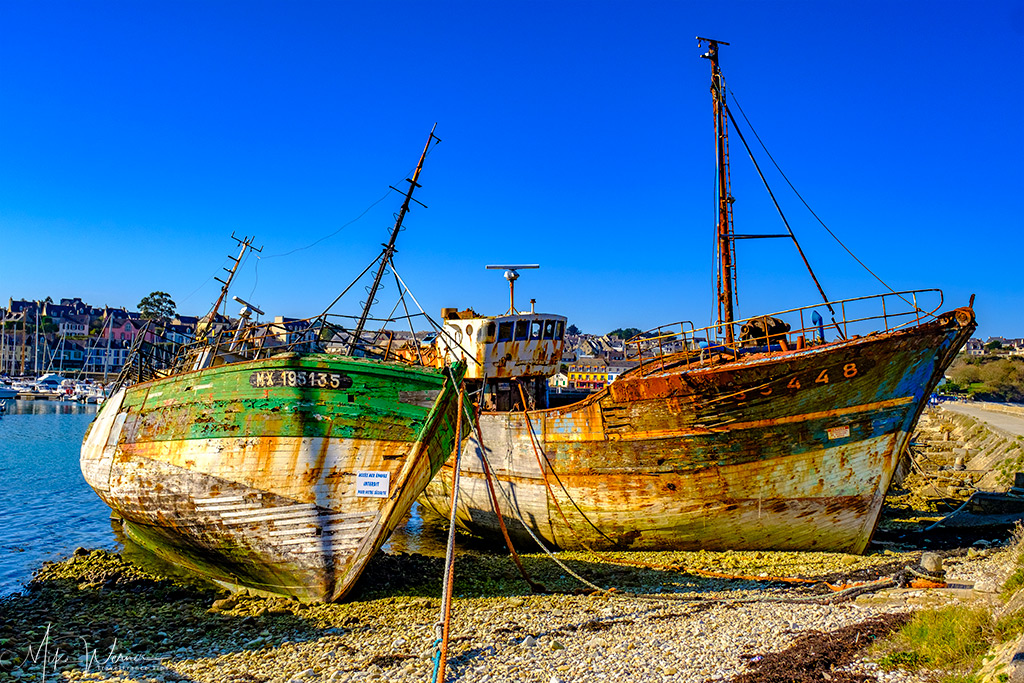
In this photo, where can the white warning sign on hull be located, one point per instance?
(373, 484)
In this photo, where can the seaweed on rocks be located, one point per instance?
(816, 656)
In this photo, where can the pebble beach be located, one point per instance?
(670, 617)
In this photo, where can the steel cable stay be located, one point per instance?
(354, 220)
(785, 222)
(439, 328)
(804, 201)
(408, 316)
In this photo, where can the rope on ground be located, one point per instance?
(441, 656)
(839, 594)
(949, 515)
(540, 543)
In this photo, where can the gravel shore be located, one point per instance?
(97, 616)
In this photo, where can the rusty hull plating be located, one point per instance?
(788, 450)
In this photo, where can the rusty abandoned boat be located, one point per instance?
(773, 432)
(275, 457)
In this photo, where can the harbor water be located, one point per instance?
(47, 510)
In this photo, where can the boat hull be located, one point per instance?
(281, 476)
(788, 451)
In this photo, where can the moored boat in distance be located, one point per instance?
(274, 457)
(771, 432)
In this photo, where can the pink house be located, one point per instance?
(125, 329)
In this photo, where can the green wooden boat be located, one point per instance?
(276, 457)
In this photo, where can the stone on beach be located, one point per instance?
(687, 628)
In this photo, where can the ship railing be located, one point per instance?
(785, 331)
(150, 356)
(154, 354)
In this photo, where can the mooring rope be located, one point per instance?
(547, 485)
(489, 478)
(633, 563)
(442, 627)
(838, 594)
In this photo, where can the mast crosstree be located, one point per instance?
(389, 248)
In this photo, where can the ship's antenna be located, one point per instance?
(389, 248)
(246, 244)
(511, 275)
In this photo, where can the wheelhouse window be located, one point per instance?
(549, 329)
(489, 332)
(522, 329)
(560, 330)
(505, 332)
(535, 329)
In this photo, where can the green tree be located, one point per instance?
(993, 345)
(157, 305)
(988, 378)
(625, 333)
(964, 372)
(572, 329)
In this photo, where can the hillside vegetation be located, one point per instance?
(987, 378)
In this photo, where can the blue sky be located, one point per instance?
(135, 137)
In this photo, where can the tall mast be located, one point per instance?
(389, 248)
(724, 240)
(244, 244)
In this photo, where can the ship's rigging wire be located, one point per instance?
(408, 316)
(440, 328)
(778, 208)
(714, 249)
(365, 211)
(839, 594)
(804, 202)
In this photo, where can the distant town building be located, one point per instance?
(974, 347)
(72, 328)
(559, 380)
(588, 373)
(617, 367)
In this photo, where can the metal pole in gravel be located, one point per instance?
(440, 658)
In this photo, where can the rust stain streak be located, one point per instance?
(754, 424)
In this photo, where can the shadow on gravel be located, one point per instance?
(488, 575)
(118, 615)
